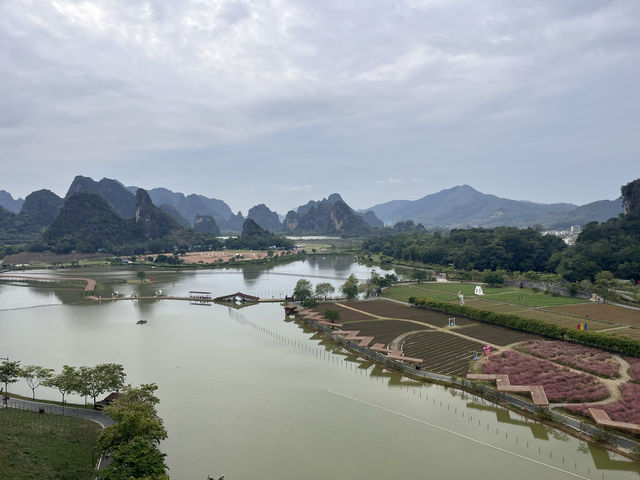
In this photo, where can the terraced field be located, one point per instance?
(384, 331)
(565, 311)
(384, 308)
(601, 311)
(496, 335)
(346, 314)
(626, 332)
(441, 352)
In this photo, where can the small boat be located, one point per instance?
(141, 322)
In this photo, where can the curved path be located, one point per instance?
(89, 414)
(611, 384)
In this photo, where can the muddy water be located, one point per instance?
(250, 394)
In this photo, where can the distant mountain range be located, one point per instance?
(25, 220)
(330, 216)
(9, 203)
(465, 207)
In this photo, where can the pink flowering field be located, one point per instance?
(635, 368)
(589, 359)
(560, 384)
(627, 409)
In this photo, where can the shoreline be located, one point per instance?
(577, 428)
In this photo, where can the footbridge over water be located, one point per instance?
(290, 274)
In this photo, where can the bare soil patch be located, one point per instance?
(346, 314)
(602, 311)
(496, 335)
(384, 331)
(384, 308)
(191, 258)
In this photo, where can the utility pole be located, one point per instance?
(5, 397)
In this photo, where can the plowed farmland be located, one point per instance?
(384, 331)
(601, 311)
(496, 335)
(384, 308)
(346, 314)
(441, 352)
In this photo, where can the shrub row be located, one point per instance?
(626, 346)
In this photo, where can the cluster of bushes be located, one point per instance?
(622, 345)
(132, 442)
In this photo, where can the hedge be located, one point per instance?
(626, 346)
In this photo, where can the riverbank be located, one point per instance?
(579, 428)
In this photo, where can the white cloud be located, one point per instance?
(296, 188)
(95, 85)
(389, 181)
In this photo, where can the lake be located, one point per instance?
(251, 394)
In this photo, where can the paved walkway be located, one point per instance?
(90, 414)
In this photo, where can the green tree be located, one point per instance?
(302, 290)
(132, 442)
(350, 287)
(331, 315)
(83, 380)
(367, 288)
(309, 303)
(141, 275)
(493, 279)
(419, 274)
(324, 289)
(10, 372)
(66, 381)
(604, 281)
(380, 282)
(35, 376)
(104, 378)
(137, 459)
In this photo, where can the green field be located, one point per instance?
(449, 292)
(39, 446)
(525, 303)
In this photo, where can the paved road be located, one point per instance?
(90, 414)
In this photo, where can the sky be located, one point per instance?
(281, 102)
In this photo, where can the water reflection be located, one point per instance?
(538, 430)
(274, 392)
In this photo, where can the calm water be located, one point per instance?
(251, 395)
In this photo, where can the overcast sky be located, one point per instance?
(285, 101)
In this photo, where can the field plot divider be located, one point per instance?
(475, 388)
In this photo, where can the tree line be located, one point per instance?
(613, 246)
(84, 381)
(132, 442)
(351, 288)
(501, 248)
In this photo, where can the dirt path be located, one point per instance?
(448, 330)
(611, 384)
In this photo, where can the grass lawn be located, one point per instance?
(522, 302)
(35, 446)
(449, 292)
